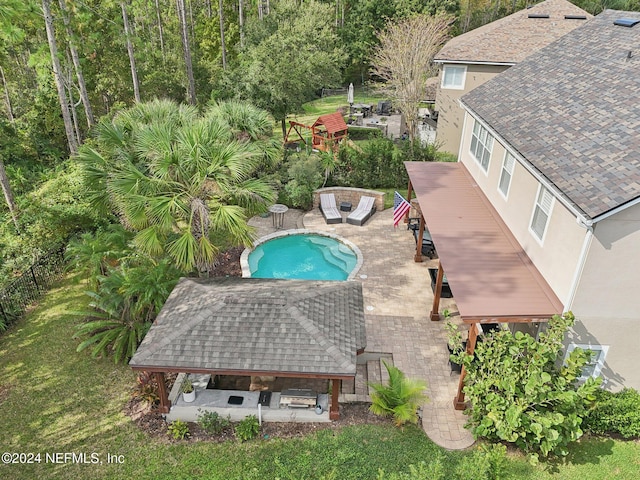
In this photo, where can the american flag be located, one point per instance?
(400, 208)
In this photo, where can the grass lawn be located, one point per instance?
(54, 400)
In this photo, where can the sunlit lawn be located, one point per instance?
(53, 399)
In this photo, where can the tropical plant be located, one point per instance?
(127, 301)
(400, 398)
(519, 394)
(304, 177)
(248, 428)
(180, 179)
(178, 429)
(146, 389)
(212, 422)
(187, 385)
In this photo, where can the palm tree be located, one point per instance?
(181, 180)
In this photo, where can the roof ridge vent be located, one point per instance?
(538, 15)
(626, 22)
(575, 17)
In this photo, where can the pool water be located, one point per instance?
(309, 257)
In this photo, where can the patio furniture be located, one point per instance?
(428, 248)
(277, 211)
(328, 208)
(446, 290)
(363, 211)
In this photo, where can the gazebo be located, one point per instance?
(256, 327)
(326, 132)
(492, 278)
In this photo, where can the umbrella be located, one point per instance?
(350, 94)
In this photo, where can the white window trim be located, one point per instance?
(540, 240)
(599, 364)
(490, 150)
(507, 154)
(464, 77)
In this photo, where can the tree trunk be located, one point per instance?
(283, 124)
(241, 21)
(55, 63)
(8, 196)
(84, 96)
(132, 60)
(187, 51)
(160, 30)
(7, 99)
(222, 44)
(209, 11)
(72, 105)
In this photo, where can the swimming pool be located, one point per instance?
(303, 256)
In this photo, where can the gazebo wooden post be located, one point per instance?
(458, 401)
(409, 192)
(334, 410)
(418, 256)
(435, 308)
(165, 403)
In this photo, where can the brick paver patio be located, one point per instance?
(398, 297)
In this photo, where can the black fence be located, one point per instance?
(30, 285)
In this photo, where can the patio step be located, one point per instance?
(374, 375)
(361, 380)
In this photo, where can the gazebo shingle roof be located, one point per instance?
(257, 325)
(333, 122)
(571, 111)
(513, 38)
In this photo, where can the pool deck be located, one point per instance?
(398, 298)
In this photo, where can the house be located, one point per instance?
(471, 59)
(550, 167)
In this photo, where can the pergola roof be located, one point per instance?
(491, 276)
(248, 326)
(333, 122)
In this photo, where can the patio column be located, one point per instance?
(458, 401)
(165, 403)
(435, 309)
(418, 256)
(409, 192)
(334, 409)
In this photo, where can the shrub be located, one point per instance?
(363, 133)
(615, 413)
(305, 175)
(248, 428)
(146, 389)
(376, 164)
(400, 398)
(178, 429)
(212, 423)
(519, 394)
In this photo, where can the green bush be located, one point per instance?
(178, 429)
(400, 398)
(305, 175)
(363, 133)
(615, 413)
(375, 164)
(212, 423)
(248, 428)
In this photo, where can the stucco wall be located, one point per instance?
(450, 115)
(557, 256)
(351, 195)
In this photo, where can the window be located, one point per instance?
(453, 77)
(595, 364)
(481, 145)
(507, 172)
(541, 212)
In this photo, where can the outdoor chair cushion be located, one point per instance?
(329, 209)
(363, 211)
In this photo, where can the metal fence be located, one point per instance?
(30, 285)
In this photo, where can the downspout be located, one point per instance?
(582, 260)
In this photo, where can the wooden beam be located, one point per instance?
(409, 192)
(418, 256)
(334, 410)
(165, 403)
(245, 373)
(458, 401)
(519, 319)
(435, 309)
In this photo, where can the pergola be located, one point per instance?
(492, 278)
(256, 327)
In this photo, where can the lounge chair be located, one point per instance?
(328, 208)
(428, 248)
(363, 211)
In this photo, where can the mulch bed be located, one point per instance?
(228, 263)
(151, 422)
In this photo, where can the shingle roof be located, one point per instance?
(513, 38)
(571, 110)
(333, 122)
(257, 325)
